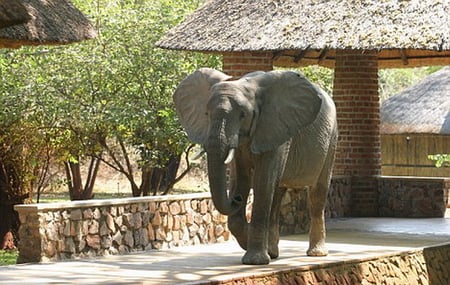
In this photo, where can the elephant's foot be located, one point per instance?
(273, 248)
(318, 250)
(255, 258)
(273, 252)
(317, 235)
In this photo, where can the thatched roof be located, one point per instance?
(12, 13)
(51, 22)
(422, 108)
(310, 31)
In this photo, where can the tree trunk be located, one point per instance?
(75, 181)
(90, 180)
(136, 191)
(158, 180)
(146, 186)
(10, 195)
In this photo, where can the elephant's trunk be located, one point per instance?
(218, 185)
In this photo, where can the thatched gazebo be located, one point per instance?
(356, 38)
(415, 123)
(46, 22)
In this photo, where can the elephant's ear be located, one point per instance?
(288, 102)
(190, 100)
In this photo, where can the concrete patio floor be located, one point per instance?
(348, 238)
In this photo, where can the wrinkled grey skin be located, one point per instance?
(283, 131)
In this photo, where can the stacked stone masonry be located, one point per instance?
(429, 266)
(117, 226)
(294, 215)
(413, 197)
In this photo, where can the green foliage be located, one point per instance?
(321, 76)
(440, 160)
(76, 101)
(8, 257)
(392, 81)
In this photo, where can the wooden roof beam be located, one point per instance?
(301, 54)
(404, 57)
(277, 55)
(322, 56)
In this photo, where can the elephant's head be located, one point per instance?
(263, 109)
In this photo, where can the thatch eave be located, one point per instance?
(51, 22)
(314, 25)
(12, 13)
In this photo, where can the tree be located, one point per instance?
(136, 117)
(24, 148)
(107, 99)
(393, 81)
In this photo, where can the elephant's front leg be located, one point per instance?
(268, 169)
(240, 187)
(274, 227)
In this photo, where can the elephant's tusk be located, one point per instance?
(230, 156)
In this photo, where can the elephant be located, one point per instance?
(264, 131)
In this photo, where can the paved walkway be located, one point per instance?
(348, 238)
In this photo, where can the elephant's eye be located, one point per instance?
(206, 113)
(242, 115)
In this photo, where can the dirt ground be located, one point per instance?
(112, 183)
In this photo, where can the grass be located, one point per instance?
(8, 257)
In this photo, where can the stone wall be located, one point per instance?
(294, 215)
(413, 196)
(58, 231)
(429, 266)
(396, 196)
(339, 200)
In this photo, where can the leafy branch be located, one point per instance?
(440, 160)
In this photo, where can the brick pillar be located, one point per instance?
(358, 109)
(237, 64)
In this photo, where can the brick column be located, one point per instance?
(237, 64)
(358, 109)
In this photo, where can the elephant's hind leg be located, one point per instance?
(317, 198)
